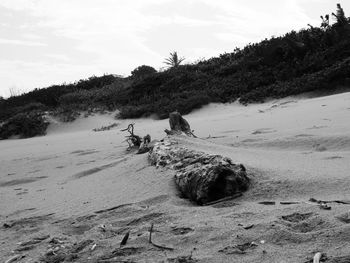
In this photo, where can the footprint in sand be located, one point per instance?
(98, 169)
(80, 151)
(85, 152)
(306, 153)
(145, 219)
(304, 223)
(22, 193)
(319, 148)
(181, 230)
(250, 140)
(231, 131)
(263, 131)
(46, 158)
(333, 157)
(155, 200)
(296, 217)
(315, 127)
(303, 135)
(29, 222)
(88, 152)
(345, 218)
(21, 181)
(34, 171)
(76, 229)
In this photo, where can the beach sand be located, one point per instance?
(83, 188)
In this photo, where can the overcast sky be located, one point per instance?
(45, 42)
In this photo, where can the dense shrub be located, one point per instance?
(25, 125)
(141, 72)
(49, 97)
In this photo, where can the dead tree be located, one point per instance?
(132, 139)
(178, 125)
(200, 177)
(135, 141)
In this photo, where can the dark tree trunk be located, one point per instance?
(178, 125)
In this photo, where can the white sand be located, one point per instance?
(294, 148)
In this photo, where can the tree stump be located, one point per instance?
(200, 177)
(144, 146)
(178, 125)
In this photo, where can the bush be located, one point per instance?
(25, 125)
(142, 72)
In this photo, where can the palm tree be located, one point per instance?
(340, 16)
(173, 61)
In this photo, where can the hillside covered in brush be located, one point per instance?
(316, 58)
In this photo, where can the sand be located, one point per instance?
(294, 149)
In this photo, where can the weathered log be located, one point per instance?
(199, 176)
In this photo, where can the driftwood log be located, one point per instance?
(201, 177)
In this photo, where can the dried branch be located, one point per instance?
(125, 239)
(228, 198)
(132, 139)
(151, 242)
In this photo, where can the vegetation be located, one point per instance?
(106, 128)
(173, 61)
(315, 58)
(141, 72)
(24, 125)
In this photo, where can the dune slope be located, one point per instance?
(84, 188)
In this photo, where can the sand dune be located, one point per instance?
(68, 183)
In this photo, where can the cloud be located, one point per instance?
(20, 42)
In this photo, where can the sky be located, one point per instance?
(46, 42)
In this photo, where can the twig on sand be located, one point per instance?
(214, 137)
(132, 139)
(289, 202)
(344, 202)
(125, 239)
(228, 198)
(150, 234)
(14, 258)
(151, 242)
(111, 209)
(113, 260)
(267, 203)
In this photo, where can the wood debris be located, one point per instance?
(156, 245)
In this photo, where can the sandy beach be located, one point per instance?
(84, 189)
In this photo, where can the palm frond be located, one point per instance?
(173, 60)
